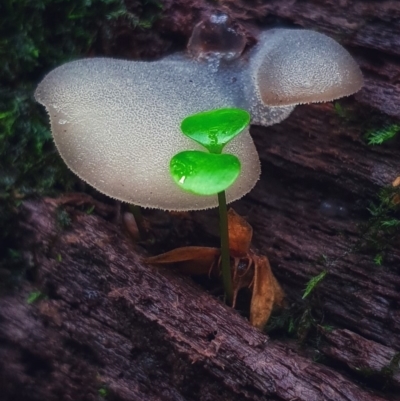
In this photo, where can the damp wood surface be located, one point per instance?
(110, 323)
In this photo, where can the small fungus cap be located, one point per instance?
(299, 66)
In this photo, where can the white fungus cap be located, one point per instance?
(117, 123)
(293, 66)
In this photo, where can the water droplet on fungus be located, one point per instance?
(215, 39)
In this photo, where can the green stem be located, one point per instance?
(137, 214)
(225, 257)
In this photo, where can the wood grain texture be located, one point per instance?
(142, 333)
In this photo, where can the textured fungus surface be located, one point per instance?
(116, 124)
(301, 66)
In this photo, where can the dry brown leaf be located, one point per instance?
(279, 293)
(194, 260)
(396, 198)
(242, 275)
(248, 269)
(262, 300)
(266, 291)
(240, 234)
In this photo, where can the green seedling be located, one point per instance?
(208, 174)
(204, 173)
(214, 129)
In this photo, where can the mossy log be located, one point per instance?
(112, 326)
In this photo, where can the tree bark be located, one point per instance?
(111, 325)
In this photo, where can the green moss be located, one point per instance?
(343, 112)
(381, 379)
(381, 135)
(383, 227)
(305, 314)
(63, 218)
(35, 296)
(378, 259)
(32, 42)
(103, 392)
(313, 282)
(393, 367)
(90, 209)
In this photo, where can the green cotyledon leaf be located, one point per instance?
(204, 173)
(214, 129)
